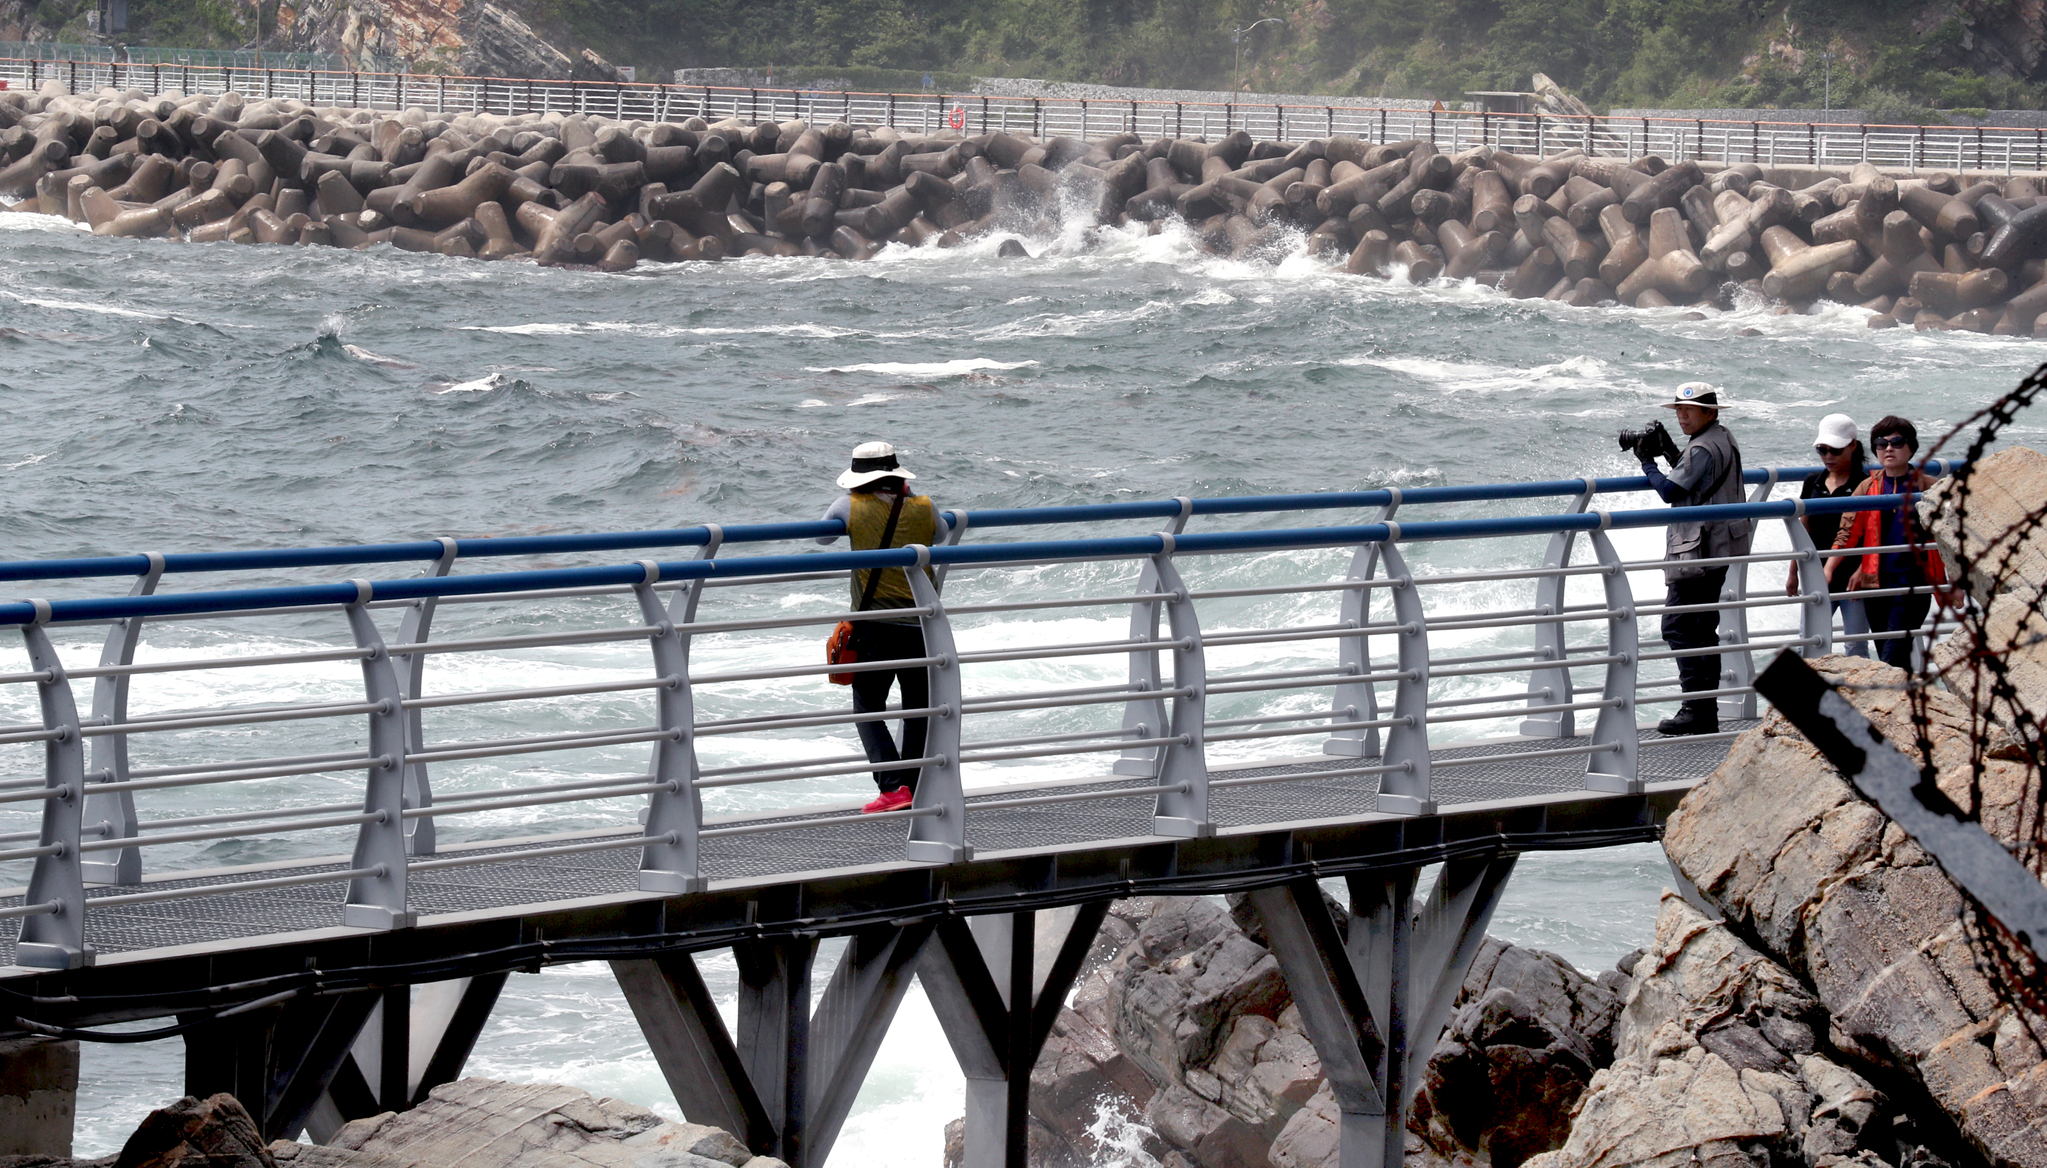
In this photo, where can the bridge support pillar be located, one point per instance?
(1375, 988)
(786, 1080)
(38, 1096)
(411, 1039)
(997, 983)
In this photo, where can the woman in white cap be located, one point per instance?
(880, 510)
(1841, 471)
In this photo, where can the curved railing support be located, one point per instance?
(675, 812)
(414, 629)
(1815, 603)
(376, 899)
(1145, 718)
(54, 936)
(114, 815)
(1738, 666)
(1355, 701)
(1617, 768)
(1182, 808)
(1552, 686)
(939, 838)
(1406, 791)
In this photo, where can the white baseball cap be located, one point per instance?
(1837, 431)
(871, 461)
(1696, 393)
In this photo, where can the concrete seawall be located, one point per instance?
(1931, 249)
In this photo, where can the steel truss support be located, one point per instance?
(1376, 993)
(786, 1080)
(997, 991)
(409, 1040)
(279, 1060)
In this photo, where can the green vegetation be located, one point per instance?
(1609, 52)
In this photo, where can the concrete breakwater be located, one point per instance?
(569, 189)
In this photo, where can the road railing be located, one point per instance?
(1372, 666)
(1762, 141)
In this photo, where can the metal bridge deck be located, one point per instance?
(551, 881)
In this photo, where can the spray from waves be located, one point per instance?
(1120, 1138)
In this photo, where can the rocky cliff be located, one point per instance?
(471, 37)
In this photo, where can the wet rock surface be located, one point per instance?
(1822, 883)
(477, 1122)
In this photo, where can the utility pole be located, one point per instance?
(1828, 57)
(1237, 59)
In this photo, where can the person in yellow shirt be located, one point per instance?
(881, 510)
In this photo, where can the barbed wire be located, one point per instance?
(1988, 568)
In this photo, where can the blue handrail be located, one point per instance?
(18, 613)
(428, 550)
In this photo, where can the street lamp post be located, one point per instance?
(1237, 58)
(1828, 57)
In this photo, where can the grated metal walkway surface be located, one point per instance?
(232, 916)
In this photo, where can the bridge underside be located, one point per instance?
(337, 1022)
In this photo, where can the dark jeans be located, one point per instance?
(1897, 614)
(875, 641)
(1695, 630)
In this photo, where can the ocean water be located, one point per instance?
(166, 397)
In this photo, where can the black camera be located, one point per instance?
(1650, 442)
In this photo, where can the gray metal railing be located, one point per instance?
(1768, 143)
(1190, 648)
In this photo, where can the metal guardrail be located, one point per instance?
(1768, 143)
(1590, 660)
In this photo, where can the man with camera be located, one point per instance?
(1708, 472)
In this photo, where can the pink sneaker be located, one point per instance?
(894, 800)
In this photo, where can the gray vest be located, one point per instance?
(1724, 537)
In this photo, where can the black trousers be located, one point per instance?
(876, 641)
(1897, 614)
(1695, 630)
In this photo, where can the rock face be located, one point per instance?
(215, 1132)
(2008, 558)
(1501, 1082)
(1822, 883)
(1716, 1063)
(457, 36)
(474, 1122)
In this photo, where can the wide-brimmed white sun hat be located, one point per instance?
(1697, 393)
(871, 461)
(1837, 431)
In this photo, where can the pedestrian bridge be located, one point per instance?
(316, 823)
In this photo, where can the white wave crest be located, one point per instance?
(958, 368)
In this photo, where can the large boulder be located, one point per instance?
(1823, 883)
(1995, 531)
(1715, 1064)
(1189, 971)
(215, 1132)
(1502, 1080)
(483, 1123)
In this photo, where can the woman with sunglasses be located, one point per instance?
(1842, 470)
(1894, 441)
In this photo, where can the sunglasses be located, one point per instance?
(1888, 443)
(1828, 451)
